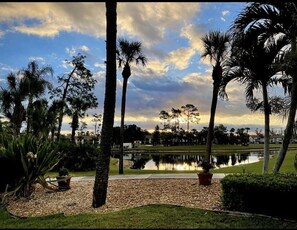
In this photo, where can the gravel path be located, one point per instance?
(122, 194)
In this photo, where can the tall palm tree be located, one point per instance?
(266, 19)
(127, 53)
(102, 168)
(36, 85)
(11, 102)
(216, 45)
(253, 63)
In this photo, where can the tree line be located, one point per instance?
(25, 99)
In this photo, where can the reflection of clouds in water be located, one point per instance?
(189, 162)
(151, 165)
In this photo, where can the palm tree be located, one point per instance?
(127, 53)
(253, 62)
(102, 168)
(266, 20)
(216, 48)
(36, 86)
(11, 102)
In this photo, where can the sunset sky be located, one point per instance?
(170, 33)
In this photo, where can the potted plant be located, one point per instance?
(205, 176)
(64, 178)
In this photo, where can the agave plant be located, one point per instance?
(32, 158)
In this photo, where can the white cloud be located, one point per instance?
(84, 48)
(150, 20)
(100, 65)
(154, 68)
(7, 68)
(38, 59)
(49, 19)
(194, 34)
(146, 20)
(75, 50)
(225, 12)
(181, 57)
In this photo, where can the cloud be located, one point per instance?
(194, 33)
(7, 68)
(74, 50)
(100, 65)
(152, 20)
(181, 57)
(134, 19)
(38, 59)
(49, 19)
(154, 68)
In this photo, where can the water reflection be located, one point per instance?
(188, 162)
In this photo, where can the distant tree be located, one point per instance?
(127, 53)
(102, 166)
(41, 118)
(163, 115)
(79, 80)
(97, 118)
(203, 135)
(12, 102)
(220, 134)
(156, 135)
(243, 136)
(191, 113)
(133, 133)
(79, 100)
(36, 84)
(232, 138)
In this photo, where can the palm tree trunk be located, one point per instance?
(188, 123)
(211, 120)
(266, 132)
(121, 157)
(102, 168)
(289, 128)
(291, 118)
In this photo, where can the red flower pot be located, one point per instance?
(204, 178)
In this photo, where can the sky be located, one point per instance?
(170, 33)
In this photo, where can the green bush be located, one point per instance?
(270, 194)
(77, 157)
(24, 160)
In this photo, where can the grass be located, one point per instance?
(160, 216)
(149, 217)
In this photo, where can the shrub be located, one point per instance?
(24, 161)
(63, 171)
(81, 157)
(271, 194)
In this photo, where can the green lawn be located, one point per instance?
(149, 217)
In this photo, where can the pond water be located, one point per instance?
(189, 162)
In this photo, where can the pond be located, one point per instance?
(189, 162)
